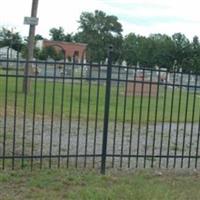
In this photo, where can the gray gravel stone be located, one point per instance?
(71, 141)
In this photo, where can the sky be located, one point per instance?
(142, 17)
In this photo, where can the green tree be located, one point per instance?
(68, 37)
(38, 37)
(182, 50)
(163, 51)
(130, 49)
(53, 53)
(99, 31)
(11, 39)
(58, 34)
(41, 54)
(195, 46)
(46, 52)
(138, 49)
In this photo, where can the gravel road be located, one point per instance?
(85, 140)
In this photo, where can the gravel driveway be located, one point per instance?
(85, 140)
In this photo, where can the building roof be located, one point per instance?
(65, 43)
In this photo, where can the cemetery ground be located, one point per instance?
(70, 183)
(88, 100)
(88, 184)
(84, 103)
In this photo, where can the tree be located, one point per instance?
(44, 53)
(182, 49)
(11, 39)
(138, 49)
(130, 47)
(53, 53)
(38, 37)
(163, 51)
(99, 31)
(58, 34)
(195, 46)
(68, 37)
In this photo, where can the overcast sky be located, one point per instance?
(139, 16)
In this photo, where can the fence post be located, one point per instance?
(106, 111)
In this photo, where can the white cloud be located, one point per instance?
(166, 16)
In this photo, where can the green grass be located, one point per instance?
(93, 101)
(86, 185)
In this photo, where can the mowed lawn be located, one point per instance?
(83, 100)
(89, 185)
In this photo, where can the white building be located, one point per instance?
(12, 54)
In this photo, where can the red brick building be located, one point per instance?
(71, 48)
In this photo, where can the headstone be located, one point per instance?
(138, 65)
(124, 63)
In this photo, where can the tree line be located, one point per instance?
(99, 30)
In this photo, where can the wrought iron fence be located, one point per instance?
(102, 116)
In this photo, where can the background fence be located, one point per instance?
(102, 116)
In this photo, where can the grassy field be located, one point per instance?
(81, 184)
(85, 185)
(91, 102)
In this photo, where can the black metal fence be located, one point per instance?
(102, 116)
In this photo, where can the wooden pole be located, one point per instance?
(31, 44)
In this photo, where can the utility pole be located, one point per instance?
(32, 21)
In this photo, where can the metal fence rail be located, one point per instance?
(89, 115)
